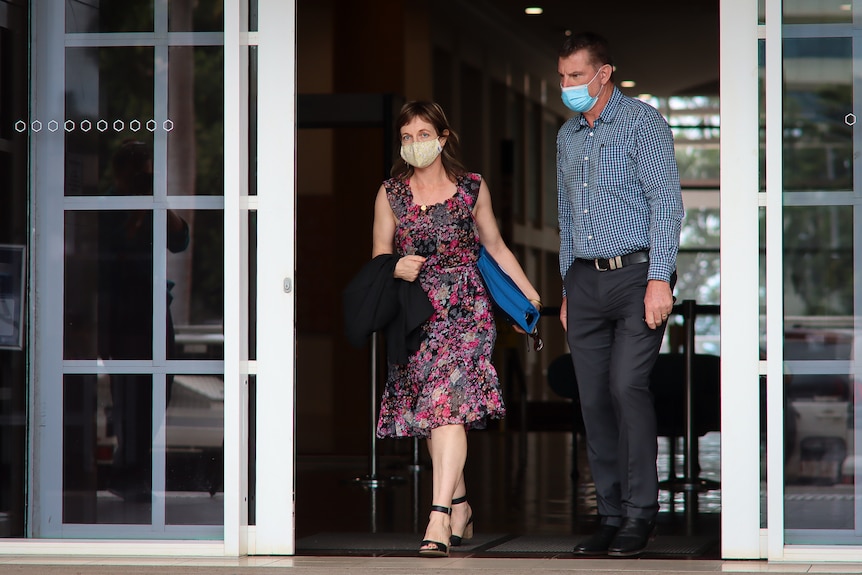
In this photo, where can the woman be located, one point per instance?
(435, 215)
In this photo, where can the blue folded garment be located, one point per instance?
(506, 295)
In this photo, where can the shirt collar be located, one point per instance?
(608, 114)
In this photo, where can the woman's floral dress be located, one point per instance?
(450, 379)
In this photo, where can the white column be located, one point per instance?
(276, 174)
(740, 433)
(235, 274)
(774, 283)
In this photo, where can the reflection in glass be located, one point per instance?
(109, 100)
(107, 446)
(816, 11)
(196, 288)
(818, 145)
(196, 107)
(818, 298)
(108, 312)
(126, 16)
(196, 16)
(194, 437)
(819, 452)
(99, 124)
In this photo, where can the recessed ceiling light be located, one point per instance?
(533, 10)
(627, 84)
(847, 7)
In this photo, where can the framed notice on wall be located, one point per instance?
(11, 296)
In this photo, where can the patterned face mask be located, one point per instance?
(421, 154)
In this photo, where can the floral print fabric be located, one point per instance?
(450, 379)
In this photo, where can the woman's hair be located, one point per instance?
(434, 115)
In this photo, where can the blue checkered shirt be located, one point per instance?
(618, 187)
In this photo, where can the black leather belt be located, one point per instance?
(618, 262)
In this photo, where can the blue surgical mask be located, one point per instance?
(578, 99)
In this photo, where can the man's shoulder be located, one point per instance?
(634, 108)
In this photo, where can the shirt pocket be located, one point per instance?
(615, 168)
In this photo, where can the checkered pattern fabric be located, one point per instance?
(618, 187)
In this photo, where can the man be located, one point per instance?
(620, 210)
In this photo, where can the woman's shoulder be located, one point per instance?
(393, 183)
(471, 182)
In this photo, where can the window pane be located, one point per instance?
(818, 291)
(107, 445)
(196, 107)
(108, 311)
(195, 450)
(125, 16)
(196, 16)
(818, 145)
(817, 12)
(196, 288)
(109, 101)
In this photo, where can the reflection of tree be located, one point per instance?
(698, 270)
(818, 259)
(818, 144)
(195, 146)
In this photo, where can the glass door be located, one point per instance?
(129, 395)
(820, 295)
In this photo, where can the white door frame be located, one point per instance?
(276, 221)
(740, 204)
(274, 368)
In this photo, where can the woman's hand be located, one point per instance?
(408, 267)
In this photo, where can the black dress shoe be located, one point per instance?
(598, 543)
(632, 538)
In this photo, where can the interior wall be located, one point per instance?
(478, 70)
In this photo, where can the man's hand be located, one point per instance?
(564, 315)
(658, 303)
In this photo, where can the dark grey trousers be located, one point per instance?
(613, 351)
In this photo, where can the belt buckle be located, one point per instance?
(614, 263)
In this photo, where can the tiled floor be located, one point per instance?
(397, 566)
(528, 515)
(524, 502)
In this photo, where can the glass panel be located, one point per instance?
(196, 288)
(252, 120)
(818, 434)
(252, 16)
(252, 447)
(817, 11)
(818, 144)
(196, 16)
(820, 300)
(196, 108)
(109, 100)
(194, 436)
(107, 446)
(252, 285)
(818, 271)
(108, 311)
(15, 355)
(125, 16)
